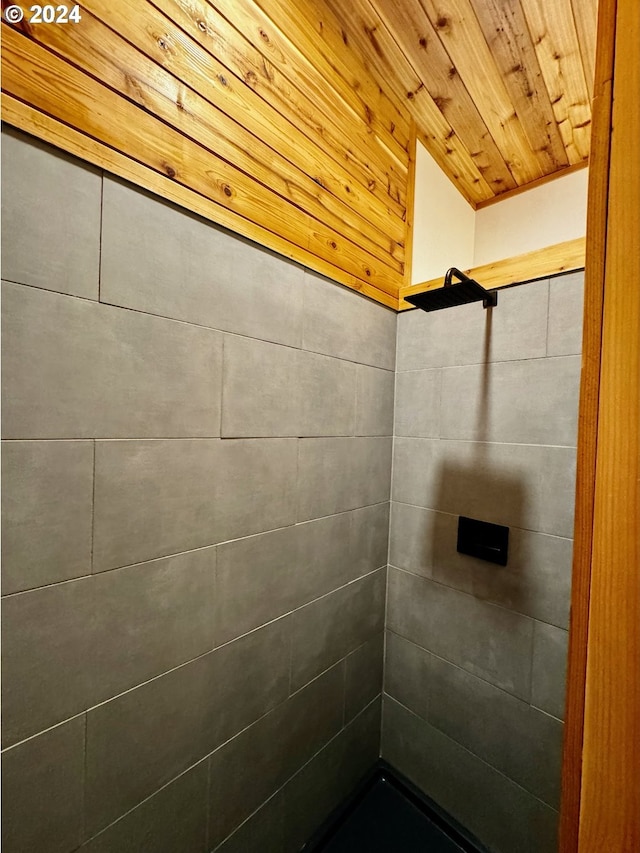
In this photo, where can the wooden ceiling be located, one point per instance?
(500, 90)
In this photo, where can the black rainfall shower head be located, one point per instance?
(467, 290)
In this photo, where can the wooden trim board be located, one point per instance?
(552, 260)
(601, 767)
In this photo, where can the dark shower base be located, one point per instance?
(387, 814)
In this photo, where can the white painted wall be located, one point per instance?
(534, 219)
(443, 222)
(448, 232)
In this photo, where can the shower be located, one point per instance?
(467, 290)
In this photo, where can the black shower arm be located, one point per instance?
(459, 275)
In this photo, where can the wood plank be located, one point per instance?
(45, 127)
(410, 208)
(413, 31)
(610, 802)
(247, 55)
(311, 74)
(545, 179)
(552, 260)
(457, 27)
(106, 55)
(587, 437)
(318, 22)
(68, 94)
(386, 61)
(168, 45)
(585, 15)
(297, 25)
(553, 32)
(506, 32)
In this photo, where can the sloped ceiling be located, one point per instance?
(500, 89)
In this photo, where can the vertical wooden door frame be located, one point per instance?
(601, 769)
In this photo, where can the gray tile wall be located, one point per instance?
(198, 444)
(196, 482)
(485, 425)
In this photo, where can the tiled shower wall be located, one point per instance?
(196, 479)
(485, 426)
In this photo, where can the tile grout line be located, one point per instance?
(481, 601)
(100, 235)
(474, 754)
(175, 554)
(203, 655)
(474, 675)
(93, 517)
(214, 329)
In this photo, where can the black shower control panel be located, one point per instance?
(483, 540)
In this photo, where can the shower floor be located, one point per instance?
(385, 821)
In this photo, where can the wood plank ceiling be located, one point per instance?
(293, 122)
(500, 90)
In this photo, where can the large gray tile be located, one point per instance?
(526, 486)
(261, 577)
(331, 627)
(325, 485)
(515, 329)
(407, 673)
(173, 819)
(42, 790)
(47, 510)
(518, 328)
(374, 401)
(418, 403)
(46, 672)
(415, 350)
(263, 830)
(327, 395)
(331, 775)
(488, 641)
(71, 645)
(284, 740)
(412, 539)
(416, 463)
(510, 735)
(260, 395)
(255, 489)
(549, 675)
(533, 401)
(536, 581)
(160, 497)
(371, 470)
(337, 474)
(144, 738)
(345, 324)
(501, 814)
(153, 498)
(363, 676)
(50, 217)
(566, 300)
(369, 538)
(162, 260)
(149, 618)
(255, 579)
(79, 369)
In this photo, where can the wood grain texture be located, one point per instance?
(552, 260)
(510, 79)
(587, 435)
(39, 124)
(610, 799)
(556, 42)
(256, 125)
(385, 60)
